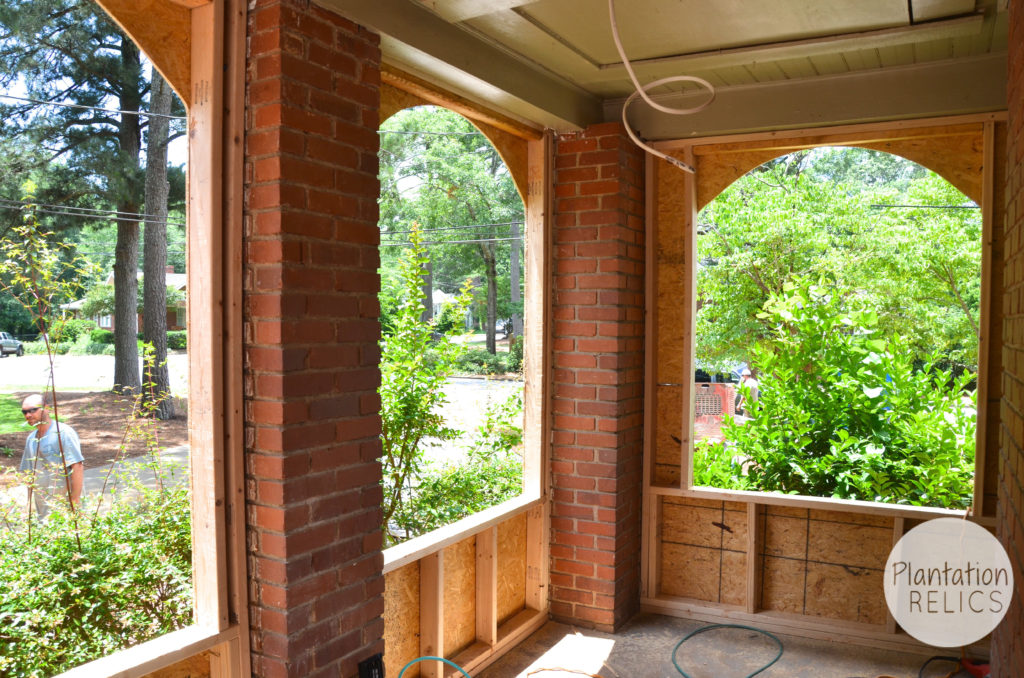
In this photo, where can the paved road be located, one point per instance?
(78, 372)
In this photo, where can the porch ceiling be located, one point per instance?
(553, 62)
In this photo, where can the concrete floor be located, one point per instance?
(643, 649)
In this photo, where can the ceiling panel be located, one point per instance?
(654, 28)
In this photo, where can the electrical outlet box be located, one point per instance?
(372, 667)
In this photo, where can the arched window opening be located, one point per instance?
(452, 288)
(838, 303)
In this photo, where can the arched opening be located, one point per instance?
(449, 208)
(838, 306)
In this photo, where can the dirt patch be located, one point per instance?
(100, 419)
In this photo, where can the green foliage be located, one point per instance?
(177, 340)
(101, 336)
(99, 300)
(127, 579)
(450, 319)
(412, 385)
(843, 412)
(822, 213)
(492, 473)
(71, 329)
(515, 354)
(479, 361)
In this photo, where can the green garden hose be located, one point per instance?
(439, 659)
(712, 627)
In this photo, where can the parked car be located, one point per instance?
(9, 344)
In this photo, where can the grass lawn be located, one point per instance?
(11, 419)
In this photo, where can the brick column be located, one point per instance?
(598, 378)
(1007, 650)
(311, 331)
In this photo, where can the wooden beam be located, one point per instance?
(689, 302)
(432, 614)
(985, 336)
(206, 319)
(755, 549)
(538, 536)
(487, 587)
(898, 525)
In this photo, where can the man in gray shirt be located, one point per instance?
(43, 458)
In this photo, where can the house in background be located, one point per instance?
(176, 312)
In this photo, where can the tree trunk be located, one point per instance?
(154, 292)
(491, 271)
(126, 253)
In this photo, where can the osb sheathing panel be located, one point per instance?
(163, 30)
(402, 610)
(197, 666)
(825, 563)
(953, 151)
(704, 550)
(511, 567)
(511, 148)
(459, 596)
(668, 435)
(671, 280)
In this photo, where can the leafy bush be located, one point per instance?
(479, 361)
(450, 319)
(39, 347)
(844, 413)
(177, 340)
(101, 336)
(129, 580)
(412, 383)
(93, 348)
(492, 473)
(70, 330)
(515, 354)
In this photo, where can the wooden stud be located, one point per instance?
(985, 309)
(898, 525)
(755, 548)
(432, 614)
(647, 522)
(689, 301)
(206, 319)
(538, 537)
(487, 587)
(537, 359)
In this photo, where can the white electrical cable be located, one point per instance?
(641, 91)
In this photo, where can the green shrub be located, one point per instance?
(70, 330)
(515, 354)
(491, 474)
(101, 336)
(65, 602)
(93, 348)
(844, 413)
(177, 340)
(479, 361)
(450, 319)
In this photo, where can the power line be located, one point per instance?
(62, 104)
(928, 207)
(432, 134)
(454, 228)
(448, 242)
(84, 212)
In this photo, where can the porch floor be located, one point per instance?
(643, 649)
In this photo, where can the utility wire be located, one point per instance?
(928, 207)
(432, 134)
(91, 108)
(448, 242)
(454, 228)
(84, 212)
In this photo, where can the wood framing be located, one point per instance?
(805, 565)
(208, 74)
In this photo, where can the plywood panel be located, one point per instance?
(459, 601)
(734, 578)
(844, 592)
(671, 262)
(402, 612)
(690, 571)
(197, 666)
(162, 30)
(786, 536)
(849, 545)
(782, 588)
(668, 435)
(511, 567)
